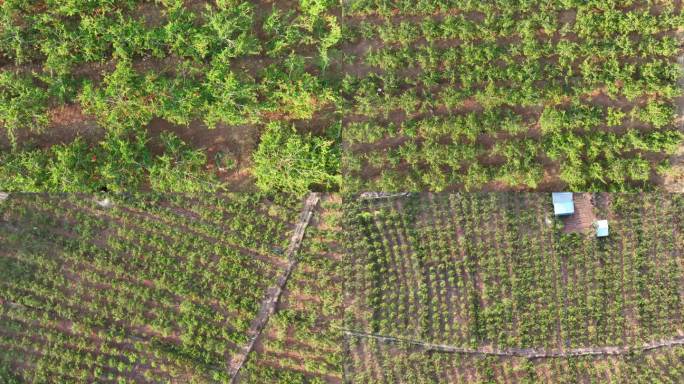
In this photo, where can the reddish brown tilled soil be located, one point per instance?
(234, 142)
(67, 122)
(583, 218)
(152, 15)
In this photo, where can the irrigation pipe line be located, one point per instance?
(381, 195)
(532, 353)
(271, 301)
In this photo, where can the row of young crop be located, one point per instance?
(375, 362)
(302, 342)
(497, 269)
(130, 280)
(472, 99)
(406, 8)
(168, 285)
(447, 273)
(504, 72)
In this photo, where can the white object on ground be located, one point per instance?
(106, 203)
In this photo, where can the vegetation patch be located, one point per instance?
(143, 289)
(510, 95)
(302, 342)
(126, 65)
(497, 272)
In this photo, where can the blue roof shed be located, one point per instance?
(562, 203)
(601, 228)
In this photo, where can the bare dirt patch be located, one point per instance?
(67, 122)
(583, 218)
(231, 142)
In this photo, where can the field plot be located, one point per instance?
(302, 342)
(498, 272)
(140, 289)
(169, 95)
(510, 95)
(375, 362)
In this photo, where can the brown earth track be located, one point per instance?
(302, 294)
(583, 218)
(270, 302)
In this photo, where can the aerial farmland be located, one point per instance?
(169, 289)
(495, 287)
(341, 191)
(150, 95)
(511, 95)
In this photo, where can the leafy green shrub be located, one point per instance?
(521, 166)
(230, 27)
(23, 105)
(116, 164)
(283, 33)
(179, 31)
(122, 159)
(15, 32)
(657, 114)
(7, 377)
(314, 7)
(121, 162)
(123, 102)
(72, 167)
(295, 92)
(180, 168)
(231, 99)
(180, 99)
(615, 117)
(330, 39)
(24, 171)
(576, 117)
(289, 162)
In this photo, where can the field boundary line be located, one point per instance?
(525, 352)
(269, 304)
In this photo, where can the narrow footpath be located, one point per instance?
(269, 303)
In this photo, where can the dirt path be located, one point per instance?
(527, 352)
(273, 297)
(583, 218)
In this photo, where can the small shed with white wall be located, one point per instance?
(562, 203)
(601, 228)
